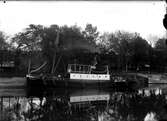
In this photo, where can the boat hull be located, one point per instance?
(67, 83)
(89, 83)
(37, 82)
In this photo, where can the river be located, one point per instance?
(98, 104)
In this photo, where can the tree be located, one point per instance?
(91, 33)
(140, 50)
(118, 43)
(161, 44)
(28, 40)
(130, 48)
(51, 42)
(160, 54)
(27, 46)
(4, 45)
(4, 48)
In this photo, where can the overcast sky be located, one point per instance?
(141, 17)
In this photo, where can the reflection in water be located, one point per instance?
(14, 92)
(150, 117)
(56, 105)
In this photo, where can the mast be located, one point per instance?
(56, 46)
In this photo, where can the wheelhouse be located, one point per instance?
(88, 72)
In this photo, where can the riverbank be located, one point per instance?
(157, 78)
(20, 81)
(12, 74)
(11, 82)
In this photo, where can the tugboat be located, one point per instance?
(78, 75)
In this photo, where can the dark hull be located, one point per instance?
(91, 84)
(66, 83)
(39, 83)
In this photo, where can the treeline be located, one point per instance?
(122, 51)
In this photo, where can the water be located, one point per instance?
(98, 104)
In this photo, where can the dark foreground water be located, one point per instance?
(99, 104)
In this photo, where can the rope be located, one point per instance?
(39, 67)
(57, 63)
(54, 58)
(64, 65)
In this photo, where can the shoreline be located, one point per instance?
(11, 82)
(15, 80)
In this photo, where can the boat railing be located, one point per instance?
(86, 69)
(79, 68)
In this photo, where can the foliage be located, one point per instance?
(161, 44)
(91, 33)
(130, 48)
(6, 53)
(29, 40)
(3, 43)
(160, 55)
(123, 50)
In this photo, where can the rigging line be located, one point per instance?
(64, 65)
(39, 67)
(54, 58)
(56, 45)
(29, 66)
(57, 63)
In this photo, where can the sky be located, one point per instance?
(143, 17)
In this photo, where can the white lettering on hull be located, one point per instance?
(77, 76)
